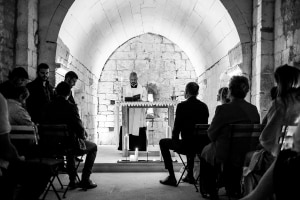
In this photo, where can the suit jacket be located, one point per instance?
(61, 111)
(237, 111)
(38, 98)
(188, 113)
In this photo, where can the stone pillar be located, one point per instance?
(27, 36)
(51, 15)
(263, 53)
(7, 34)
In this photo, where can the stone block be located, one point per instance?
(109, 124)
(169, 65)
(110, 65)
(110, 108)
(171, 55)
(110, 118)
(101, 118)
(141, 65)
(168, 47)
(123, 55)
(102, 108)
(108, 75)
(184, 74)
(145, 55)
(125, 65)
(112, 96)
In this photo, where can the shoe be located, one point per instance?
(73, 185)
(189, 179)
(85, 185)
(169, 181)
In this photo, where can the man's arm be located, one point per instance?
(76, 122)
(177, 123)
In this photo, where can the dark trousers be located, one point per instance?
(32, 177)
(208, 177)
(91, 153)
(178, 146)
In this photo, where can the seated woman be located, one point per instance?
(282, 177)
(284, 110)
(237, 111)
(18, 115)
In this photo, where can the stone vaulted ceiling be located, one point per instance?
(93, 29)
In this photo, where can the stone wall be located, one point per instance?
(287, 32)
(7, 37)
(159, 63)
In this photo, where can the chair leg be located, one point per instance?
(185, 167)
(50, 185)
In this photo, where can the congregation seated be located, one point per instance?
(30, 177)
(237, 111)
(62, 111)
(188, 114)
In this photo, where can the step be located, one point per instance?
(129, 166)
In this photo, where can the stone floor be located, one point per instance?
(132, 186)
(129, 185)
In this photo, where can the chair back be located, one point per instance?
(25, 139)
(24, 132)
(54, 139)
(243, 139)
(201, 136)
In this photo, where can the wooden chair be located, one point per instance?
(243, 138)
(201, 138)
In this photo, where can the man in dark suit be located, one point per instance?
(41, 92)
(237, 111)
(188, 113)
(62, 111)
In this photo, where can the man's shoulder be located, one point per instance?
(33, 83)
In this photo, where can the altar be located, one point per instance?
(125, 106)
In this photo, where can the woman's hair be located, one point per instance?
(287, 79)
(239, 86)
(223, 94)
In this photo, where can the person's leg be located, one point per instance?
(189, 178)
(71, 169)
(208, 179)
(165, 145)
(91, 153)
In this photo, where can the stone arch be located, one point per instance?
(160, 65)
(53, 13)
